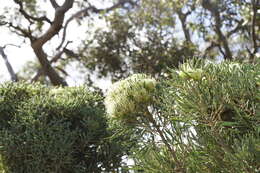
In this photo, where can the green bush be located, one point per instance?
(55, 130)
(204, 118)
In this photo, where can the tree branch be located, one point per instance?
(54, 4)
(23, 32)
(212, 45)
(14, 77)
(58, 56)
(212, 7)
(183, 16)
(85, 12)
(28, 16)
(54, 29)
(164, 140)
(236, 29)
(255, 46)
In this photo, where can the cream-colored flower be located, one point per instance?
(127, 96)
(187, 72)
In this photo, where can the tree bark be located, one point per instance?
(255, 4)
(185, 30)
(212, 7)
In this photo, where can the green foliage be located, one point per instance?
(139, 40)
(54, 130)
(205, 124)
(159, 34)
(1, 165)
(222, 109)
(143, 36)
(226, 92)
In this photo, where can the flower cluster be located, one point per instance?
(187, 72)
(128, 96)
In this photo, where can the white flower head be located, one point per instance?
(126, 97)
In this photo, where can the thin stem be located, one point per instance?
(160, 132)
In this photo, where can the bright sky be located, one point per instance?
(19, 56)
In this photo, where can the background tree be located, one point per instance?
(137, 36)
(32, 23)
(160, 34)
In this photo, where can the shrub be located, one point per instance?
(205, 118)
(55, 130)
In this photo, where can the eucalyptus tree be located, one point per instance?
(128, 36)
(38, 23)
(158, 34)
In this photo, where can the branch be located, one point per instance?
(212, 45)
(164, 140)
(54, 29)
(14, 77)
(58, 56)
(56, 24)
(237, 28)
(85, 12)
(222, 38)
(23, 32)
(71, 53)
(28, 16)
(221, 51)
(254, 3)
(183, 16)
(212, 7)
(62, 70)
(54, 4)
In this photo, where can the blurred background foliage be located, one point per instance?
(146, 36)
(159, 34)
